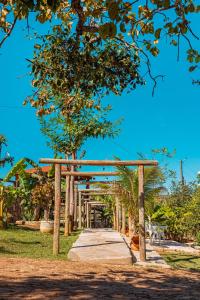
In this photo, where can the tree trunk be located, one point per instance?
(36, 214)
(46, 213)
(131, 225)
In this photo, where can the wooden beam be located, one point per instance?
(56, 233)
(142, 246)
(93, 190)
(93, 173)
(99, 162)
(94, 182)
(101, 194)
(96, 203)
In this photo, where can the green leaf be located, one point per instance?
(113, 10)
(157, 33)
(192, 68)
(122, 27)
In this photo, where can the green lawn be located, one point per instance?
(24, 242)
(182, 261)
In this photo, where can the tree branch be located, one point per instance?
(9, 32)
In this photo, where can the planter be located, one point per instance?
(46, 226)
(135, 243)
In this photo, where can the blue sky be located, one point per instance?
(169, 119)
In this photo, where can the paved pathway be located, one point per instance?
(169, 245)
(153, 258)
(101, 246)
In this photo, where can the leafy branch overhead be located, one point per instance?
(67, 134)
(137, 25)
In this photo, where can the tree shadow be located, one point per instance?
(5, 251)
(107, 285)
(25, 242)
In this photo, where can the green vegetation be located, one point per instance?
(127, 189)
(182, 261)
(32, 193)
(7, 158)
(24, 242)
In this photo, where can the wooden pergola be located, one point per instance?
(74, 163)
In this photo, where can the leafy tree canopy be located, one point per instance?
(100, 46)
(68, 131)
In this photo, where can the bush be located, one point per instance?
(198, 238)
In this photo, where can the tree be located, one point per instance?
(7, 158)
(179, 211)
(68, 131)
(33, 192)
(128, 191)
(89, 33)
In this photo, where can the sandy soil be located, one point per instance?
(42, 279)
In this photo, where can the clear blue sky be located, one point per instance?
(169, 119)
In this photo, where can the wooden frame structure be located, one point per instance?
(58, 162)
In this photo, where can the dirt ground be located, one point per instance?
(43, 279)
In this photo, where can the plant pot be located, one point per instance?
(46, 226)
(135, 243)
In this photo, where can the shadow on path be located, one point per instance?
(109, 284)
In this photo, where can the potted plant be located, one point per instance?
(135, 242)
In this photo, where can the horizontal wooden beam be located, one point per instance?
(94, 182)
(97, 203)
(100, 194)
(99, 162)
(86, 174)
(93, 190)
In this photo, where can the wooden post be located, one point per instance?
(79, 211)
(94, 217)
(71, 209)
(123, 220)
(75, 207)
(114, 217)
(56, 233)
(67, 201)
(120, 217)
(117, 214)
(141, 214)
(87, 215)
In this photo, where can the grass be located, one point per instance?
(182, 261)
(25, 242)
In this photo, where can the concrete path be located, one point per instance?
(101, 246)
(173, 246)
(153, 258)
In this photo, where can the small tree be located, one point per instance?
(67, 132)
(33, 192)
(128, 191)
(7, 158)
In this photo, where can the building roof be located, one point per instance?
(44, 169)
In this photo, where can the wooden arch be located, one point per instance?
(58, 162)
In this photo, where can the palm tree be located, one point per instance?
(127, 188)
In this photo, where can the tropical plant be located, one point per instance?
(127, 189)
(181, 211)
(33, 191)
